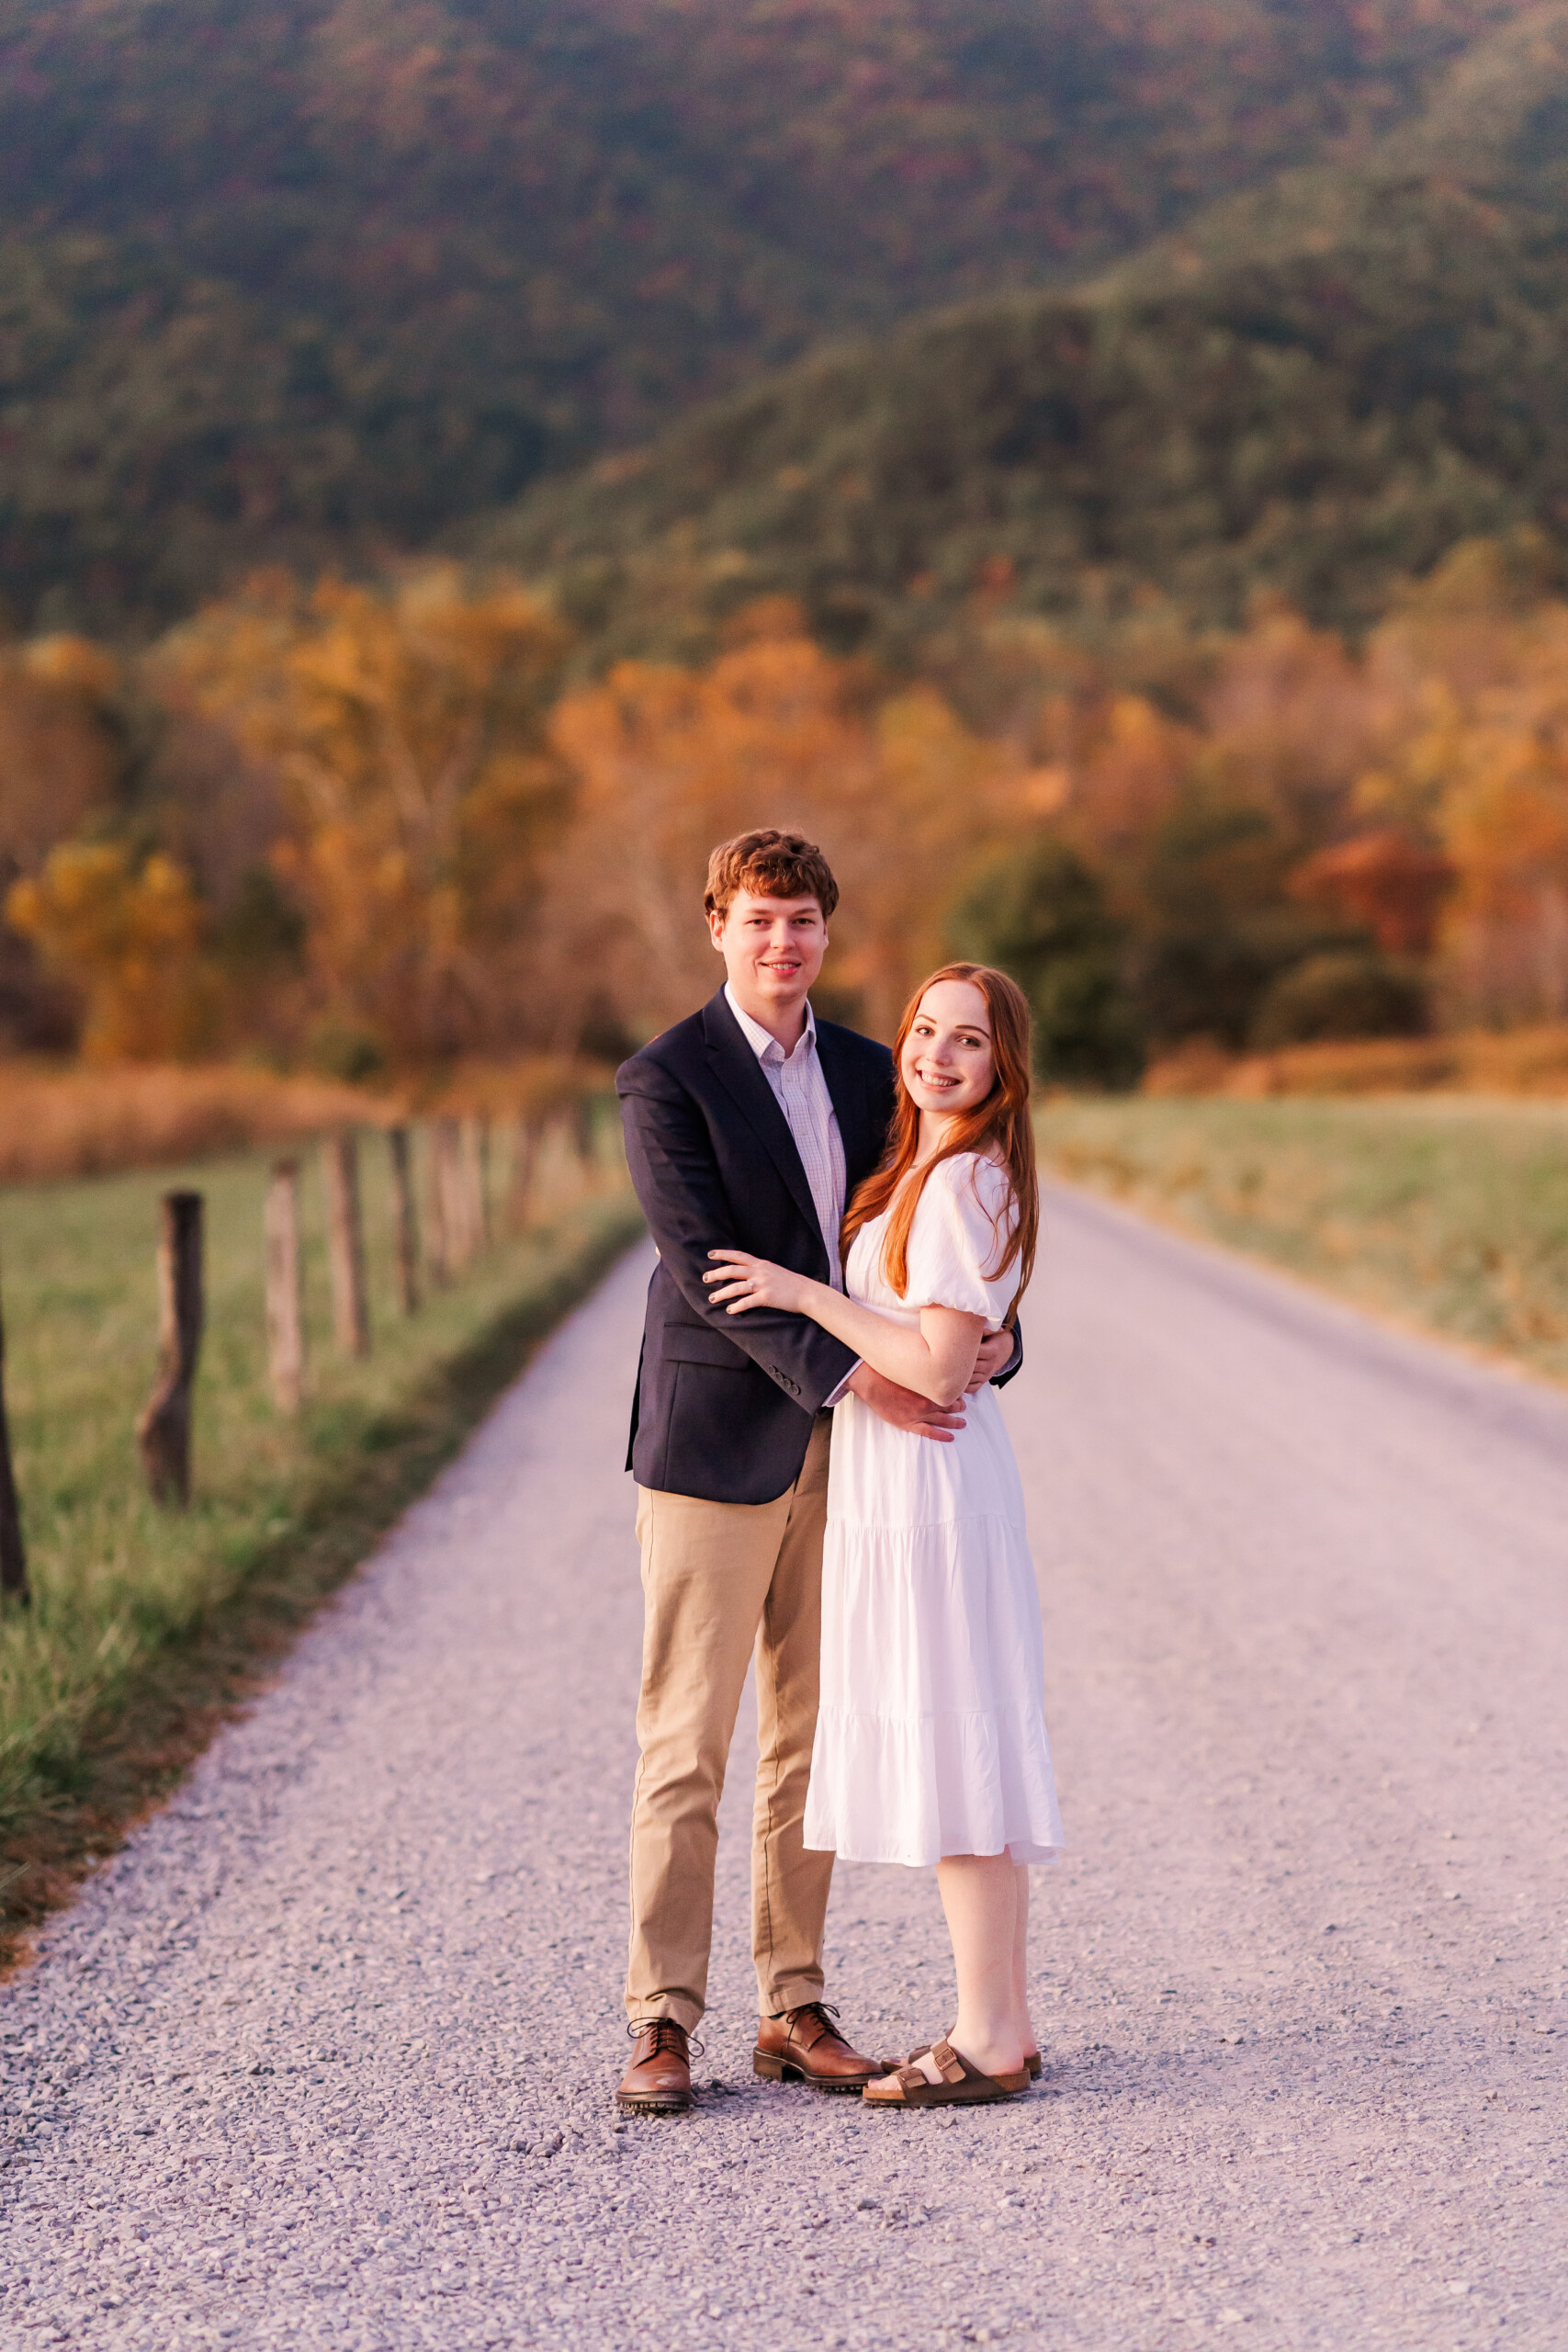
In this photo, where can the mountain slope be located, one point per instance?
(1315, 390)
(309, 279)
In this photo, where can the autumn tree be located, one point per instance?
(901, 796)
(1290, 716)
(365, 818)
(61, 761)
(130, 937)
(407, 724)
(1505, 824)
(1386, 878)
(1472, 671)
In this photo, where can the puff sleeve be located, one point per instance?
(962, 1227)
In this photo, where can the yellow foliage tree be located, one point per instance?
(129, 939)
(1417, 786)
(59, 756)
(938, 801)
(901, 796)
(407, 724)
(1122, 782)
(1472, 674)
(1503, 823)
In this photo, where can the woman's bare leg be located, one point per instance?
(1021, 1967)
(979, 1894)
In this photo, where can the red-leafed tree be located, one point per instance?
(1386, 879)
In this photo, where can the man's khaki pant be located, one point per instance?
(719, 1579)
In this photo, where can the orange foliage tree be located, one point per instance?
(130, 937)
(475, 864)
(409, 726)
(1414, 790)
(1472, 672)
(1386, 879)
(61, 764)
(59, 756)
(901, 796)
(1505, 826)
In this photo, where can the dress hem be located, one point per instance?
(1030, 1856)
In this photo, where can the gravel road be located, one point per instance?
(324, 2058)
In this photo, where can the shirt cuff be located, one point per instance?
(843, 1389)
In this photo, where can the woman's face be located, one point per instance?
(947, 1063)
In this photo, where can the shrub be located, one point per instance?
(1346, 993)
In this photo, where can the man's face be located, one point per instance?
(773, 948)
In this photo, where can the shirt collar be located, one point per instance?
(760, 1040)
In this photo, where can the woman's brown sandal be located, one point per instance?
(962, 2085)
(1034, 2063)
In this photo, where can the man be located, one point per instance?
(747, 1127)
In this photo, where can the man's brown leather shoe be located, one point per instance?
(658, 2080)
(805, 2046)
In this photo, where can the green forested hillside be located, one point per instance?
(310, 278)
(1314, 390)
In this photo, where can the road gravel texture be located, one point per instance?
(324, 2058)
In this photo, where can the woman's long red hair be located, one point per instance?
(1001, 1127)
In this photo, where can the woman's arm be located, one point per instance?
(683, 1195)
(937, 1360)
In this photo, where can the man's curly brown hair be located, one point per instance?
(770, 865)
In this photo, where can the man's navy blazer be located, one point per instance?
(724, 1403)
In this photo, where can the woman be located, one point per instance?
(930, 1739)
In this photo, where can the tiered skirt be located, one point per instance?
(930, 1733)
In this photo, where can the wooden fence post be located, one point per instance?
(285, 1319)
(405, 1226)
(162, 1430)
(437, 1241)
(449, 1187)
(524, 1158)
(475, 1144)
(13, 1552)
(345, 1245)
(562, 1172)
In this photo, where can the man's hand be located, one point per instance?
(995, 1354)
(902, 1408)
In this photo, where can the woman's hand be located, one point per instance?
(935, 1361)
(755, 1282)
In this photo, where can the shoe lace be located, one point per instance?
(668, 2034)
(826, 2016)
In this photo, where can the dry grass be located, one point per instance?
(535, 1086)
(1517, 1062)
(1440, 1211)
(62, 1123)
(57, 1123)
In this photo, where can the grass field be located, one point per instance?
(146, 1623)
(1441, 1211)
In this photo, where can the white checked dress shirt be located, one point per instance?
(801, 1092)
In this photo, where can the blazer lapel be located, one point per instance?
(861, 1149)
(740, 1074)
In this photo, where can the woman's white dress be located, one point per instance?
(931, 1738)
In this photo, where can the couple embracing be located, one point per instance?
(825, 1480)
